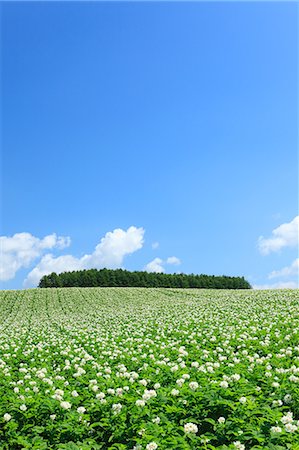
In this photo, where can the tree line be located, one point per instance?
(125, 278)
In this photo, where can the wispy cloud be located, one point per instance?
(288, 271)
(279, 285)
(155, 245)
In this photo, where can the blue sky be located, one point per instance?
(178, 119)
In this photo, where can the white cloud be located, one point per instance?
(155, 245)
(114, 246)
(173, 260)
(155, 266)
(49, 264)
(110, 252)
(21, 249)
(279, 285)
(292, 270)
(286, 235)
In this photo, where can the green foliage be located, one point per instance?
(124, 369)
(125, 278)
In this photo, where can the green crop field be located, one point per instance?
(133, 368)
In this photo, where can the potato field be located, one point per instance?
(146, 369)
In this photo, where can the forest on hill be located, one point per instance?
(125, 278)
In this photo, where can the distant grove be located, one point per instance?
(125, 278)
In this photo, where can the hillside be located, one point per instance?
(121, 368)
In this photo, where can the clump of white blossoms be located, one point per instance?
(65, 405)
(116, 408)
(288, 418)
(239, 446)
(276, 429)
(156, 420)
(81, 410)
(193, 385)
(7, 417)
(23, 407)
(175, 392)
(243, 400)
(140, 403)
(224, 384)
(290, 428)
(221, 419)
(149, 394)
(190, 428)
(287, 399)
(151, 446)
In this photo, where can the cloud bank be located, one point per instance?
(279, 285)
(109, 253)
(21, 249)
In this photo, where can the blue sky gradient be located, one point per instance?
(180, 118)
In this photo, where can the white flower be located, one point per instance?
(140, 403)
(151, 446)
(59, 392)
(193, 385)
(239, 446)
(174, 392)
(289, 427)
(156, 420)
(149, 394)
(224, 384)
(7, 417)
(287, 399)
(81, 410)
(157, 385)
(277, 403)
(116, 407)
(75, 394)
(100, 395)
(53, 416)
(276, 429)
(23, 407)
(235, 377)
(221, 419)
(190, 428)
(243, 400)
(119, 392)
(288, 418)
(65, 405)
